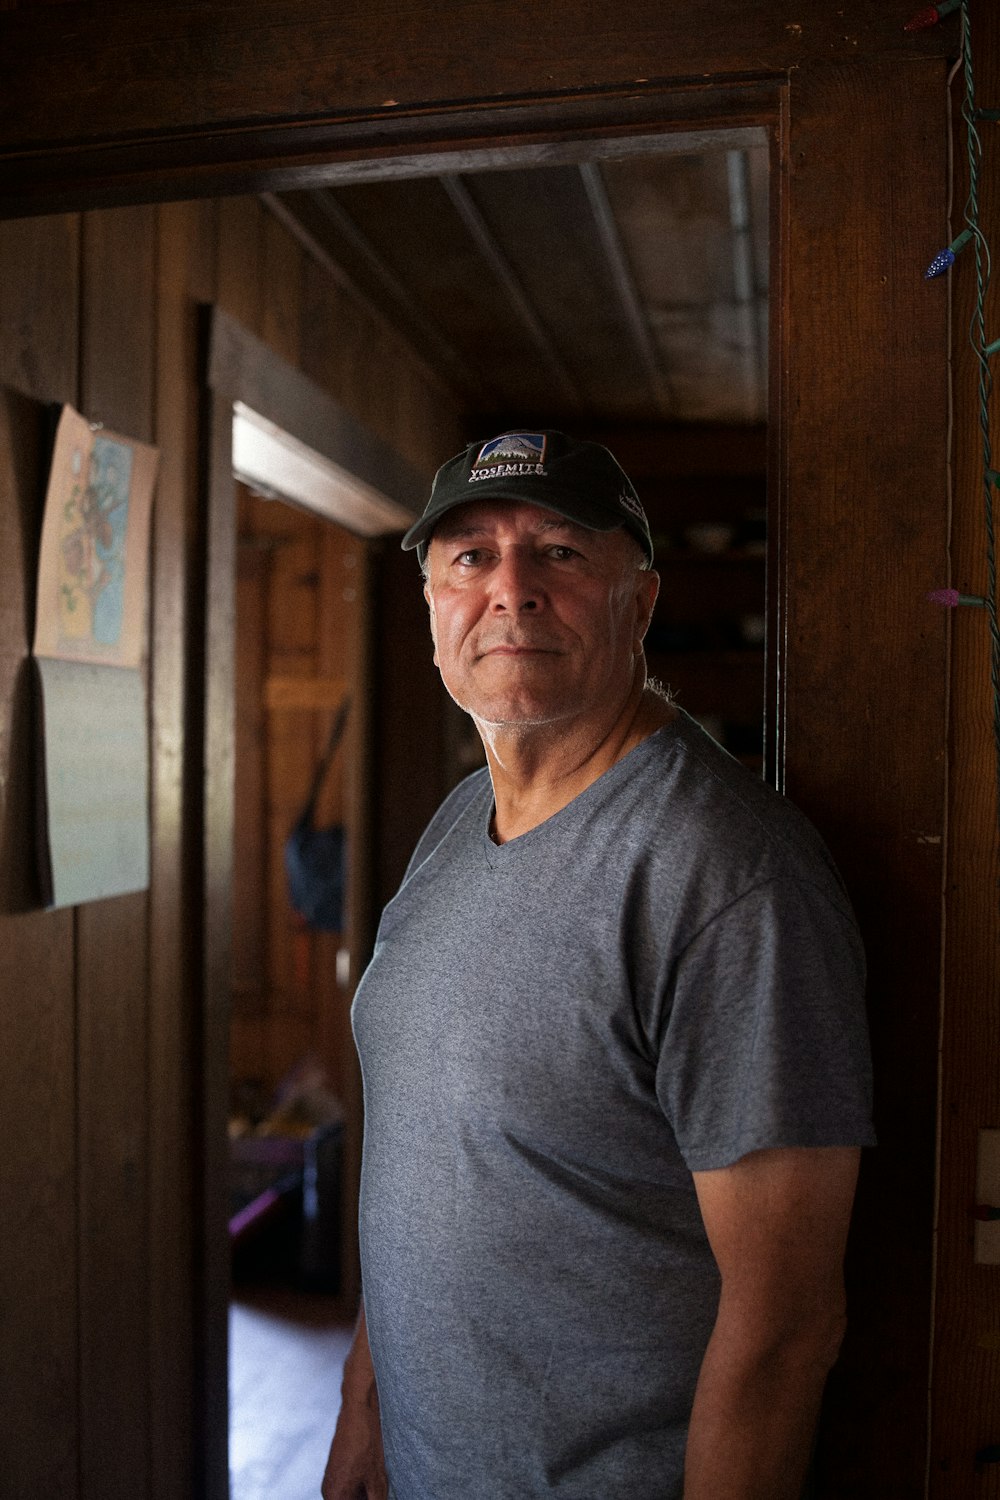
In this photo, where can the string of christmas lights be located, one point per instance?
(931, 15)
(983, 348)
(983, 351)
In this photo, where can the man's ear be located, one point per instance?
(647, 589)
(433, 618)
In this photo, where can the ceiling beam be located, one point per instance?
(204, 70)
(488, 247)
(624, 283)
(420, 330)
(289, 212)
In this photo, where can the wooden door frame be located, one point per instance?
(837, 752)
(238, 366)
(857, 485)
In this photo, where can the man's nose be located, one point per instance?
(515, 584)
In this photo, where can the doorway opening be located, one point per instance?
(301, 696)
(300, 623)
(619, 290)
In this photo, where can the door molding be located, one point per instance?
(238, 368)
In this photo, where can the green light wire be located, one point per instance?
(977, 338)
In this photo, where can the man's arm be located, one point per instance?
(355, 1469)
(777, 1223)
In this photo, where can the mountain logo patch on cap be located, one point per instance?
(510, 456)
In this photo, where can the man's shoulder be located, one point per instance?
(709, 810)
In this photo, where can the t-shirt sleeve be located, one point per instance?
(764, 1042)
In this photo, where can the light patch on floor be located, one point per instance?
(286, 1358)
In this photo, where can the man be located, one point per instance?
(613, 1049)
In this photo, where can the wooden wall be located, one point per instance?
(966, 1368)
(861, 477)
(300, 616)
(97, 1005)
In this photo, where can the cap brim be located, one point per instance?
(597, 518)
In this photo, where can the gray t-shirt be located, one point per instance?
(554, 1033)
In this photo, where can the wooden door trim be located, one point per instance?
(186, 102)
(371, 146)
(237, 366)
(243, 368)
(839, 757)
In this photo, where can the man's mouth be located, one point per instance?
(514, 648)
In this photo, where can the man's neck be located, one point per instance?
(538, 771)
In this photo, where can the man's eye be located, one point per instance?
(562, 553)
(470, 557)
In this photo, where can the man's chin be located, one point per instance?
(518, 715)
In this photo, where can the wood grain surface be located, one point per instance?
(863, 531)
(966, 1370)
(117, 388)
(186, 69)
(38, 1108)
(858, 500)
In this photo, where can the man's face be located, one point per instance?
(535, 619)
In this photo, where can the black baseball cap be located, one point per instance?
(580, 480)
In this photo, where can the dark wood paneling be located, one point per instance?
(416, 233)
(863, 460)
(38, 307)
(346, 628)
(38, 1362)
(864, 668)
(411, 759)
(184, 261)
(415, 425)
(302, 611)
(184, 70)
(967, 1309)
(292, 735)
(117, 383)
(246, 368)
(239, 282)
(405, 144)
(216, 628)
(307, 217)
(282, 290)
(38, 1365)
(778, 375)
(333, 240)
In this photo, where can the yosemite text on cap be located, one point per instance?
(577, 479)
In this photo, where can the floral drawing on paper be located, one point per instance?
(94, 526)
